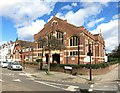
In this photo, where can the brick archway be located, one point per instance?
(56, 58)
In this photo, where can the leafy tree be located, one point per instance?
(49, 44)
(115, 53)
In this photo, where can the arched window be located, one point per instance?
(40, 44)
(74, 41)
(50, 35)
(60, 36)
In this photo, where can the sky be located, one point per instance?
(23, 19)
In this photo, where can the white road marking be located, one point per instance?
(49, 85)
(8, 74)
(91, 86)
(105, 86)
(70, 88)
(90, 90)
(1, 80)
(18, 80)
(22, 74)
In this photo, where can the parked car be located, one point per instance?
(14, 66)
(4, 64)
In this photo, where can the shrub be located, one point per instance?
(39, 60)
(94, 66)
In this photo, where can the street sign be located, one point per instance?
(87, 59)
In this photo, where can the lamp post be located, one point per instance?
(78, 50)
(90, 54)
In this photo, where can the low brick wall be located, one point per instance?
(85, 71)
(31, 65)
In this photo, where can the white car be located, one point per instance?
(14, 66)
(4, 64)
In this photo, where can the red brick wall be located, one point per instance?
(68, 31)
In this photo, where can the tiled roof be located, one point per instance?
(24, 44)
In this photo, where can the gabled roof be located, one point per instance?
(62, 25)
(24, 44)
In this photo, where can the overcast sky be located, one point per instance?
(24, 19)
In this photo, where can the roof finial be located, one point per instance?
(17, 38)
(54, 14)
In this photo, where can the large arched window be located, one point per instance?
(74, 41)
(40, 44)
(50, 35)
(60, 36)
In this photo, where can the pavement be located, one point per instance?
(66, 77)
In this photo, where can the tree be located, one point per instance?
(116, 53)
(40, 63)
(49, 44)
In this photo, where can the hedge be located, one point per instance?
(94, 66)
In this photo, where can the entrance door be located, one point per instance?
(56, 58)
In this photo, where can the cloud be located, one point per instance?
(74, 4)
(27, 32)
(78, 18)
(109, 33)
(24, 12)
(116, 16)
(92, 9)
(67, 7)
(92, 23)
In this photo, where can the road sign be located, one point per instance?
(87, 59)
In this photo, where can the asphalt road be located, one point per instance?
(13, 80)
(21, 81)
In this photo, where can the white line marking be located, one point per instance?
(105, 86)
(90, 90)
(72, 88)
(18, 80)
(49, 85)
(1, 80)
(58, 84)
(22, 74)
(91, 86)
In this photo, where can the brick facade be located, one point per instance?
(23, 51)
(72, 35)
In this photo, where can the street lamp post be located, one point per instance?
(78, 50)
(90, 54)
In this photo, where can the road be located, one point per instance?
(21, 81)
